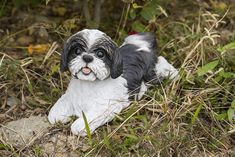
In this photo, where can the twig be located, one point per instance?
(2, 59)
(52, 49)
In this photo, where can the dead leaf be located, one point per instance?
(38, 49)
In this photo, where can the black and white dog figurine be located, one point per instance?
(106, 78)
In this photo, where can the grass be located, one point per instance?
(187, 117)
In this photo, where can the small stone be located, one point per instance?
(23, 107)
(12, 101)
(24, 131)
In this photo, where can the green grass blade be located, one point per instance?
(196, 114)
(209, 66)
(88, 131)
(233, 104)
(231, 113)
(229, 46)
(107, 143)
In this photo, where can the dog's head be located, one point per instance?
(90, 55)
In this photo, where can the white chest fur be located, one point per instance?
(97, 95)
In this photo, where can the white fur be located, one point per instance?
(138, 41)
(165, 69)
(99, 70)
(143, 89)
(91, 35)
(99, 100)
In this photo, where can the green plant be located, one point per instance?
(88, 131)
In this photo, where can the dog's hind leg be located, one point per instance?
(165, 70)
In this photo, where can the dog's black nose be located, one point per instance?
(87, 58)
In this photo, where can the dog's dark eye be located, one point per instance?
(100, 53)
(78, 51)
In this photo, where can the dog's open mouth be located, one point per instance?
(86, 70)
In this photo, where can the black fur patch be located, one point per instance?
(137, 65)
(68, 51)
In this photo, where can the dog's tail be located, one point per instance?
(145, 41)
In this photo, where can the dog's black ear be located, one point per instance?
(64, 58)
(117, 64)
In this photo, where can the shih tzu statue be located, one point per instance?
(106, 78)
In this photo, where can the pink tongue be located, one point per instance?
(86, 70)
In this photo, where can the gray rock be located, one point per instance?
(12, 101)
(24, 131)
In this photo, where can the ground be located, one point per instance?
(193, 116)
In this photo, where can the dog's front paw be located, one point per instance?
(78, 127)
(54, 117)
